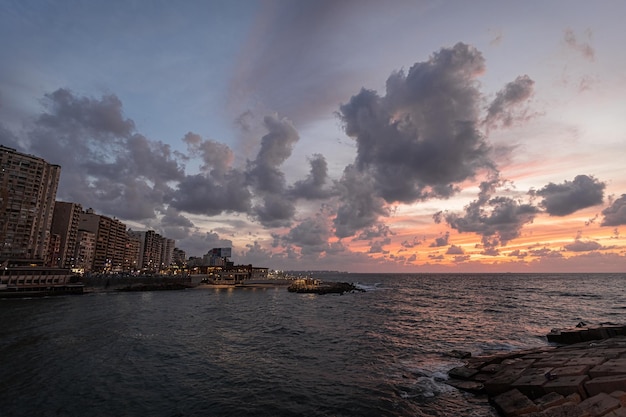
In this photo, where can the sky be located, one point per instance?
(360, 136)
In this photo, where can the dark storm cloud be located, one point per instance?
(315, 185)
(615, 214)
(570, 196)
(497, 220)
(359, 207)
(422, 137)
(513, 94)
(105, 163)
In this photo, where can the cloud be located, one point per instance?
(409, 244)
(279, 66)
(314, 186)
(377, 246)
(441, 241)
(212, 195)
(615, 214)
(455, 250)
(105, 163)
(276, 147)
(215, 156)
(275, 211)
(9, 139)
(174, 225)
(513, 94)
(311, 235)
(583, 246)
(422, 137)
(265, 177)
(518, 254)
(359, 207)
(200, 243)
(377, 231)
(497, 220)
(566, 198)
(102, 117)
(545, 252)
(584, 48)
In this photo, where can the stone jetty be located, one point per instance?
(315, 286)
(585, 378)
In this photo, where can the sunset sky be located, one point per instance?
(363, 136)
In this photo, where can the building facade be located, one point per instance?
(85, 250)
(110, 244)
(65, 222)
(28, 187)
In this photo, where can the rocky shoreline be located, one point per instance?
(581, 379)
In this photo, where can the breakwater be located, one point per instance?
(587, 378)
(314, 286)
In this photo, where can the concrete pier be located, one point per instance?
(587, 378)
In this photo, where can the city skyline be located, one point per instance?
(435, 136)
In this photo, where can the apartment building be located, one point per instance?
(85, 250)
(110, 241)
(28, 187)
(65, 222)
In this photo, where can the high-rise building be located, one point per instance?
(155, 251)
(28, 187)
(131, 254)
(65, 222)
(85, 250)
(111, 240)
(179, 257)
(167, 252)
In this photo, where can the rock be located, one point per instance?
(513, 403)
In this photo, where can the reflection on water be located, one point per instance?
(274, 353)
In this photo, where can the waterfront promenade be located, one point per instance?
(585, 378)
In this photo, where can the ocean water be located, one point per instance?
(268, 352)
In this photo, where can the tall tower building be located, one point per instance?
(28, 187)
(65, 223)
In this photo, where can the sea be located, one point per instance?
(268, 352)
